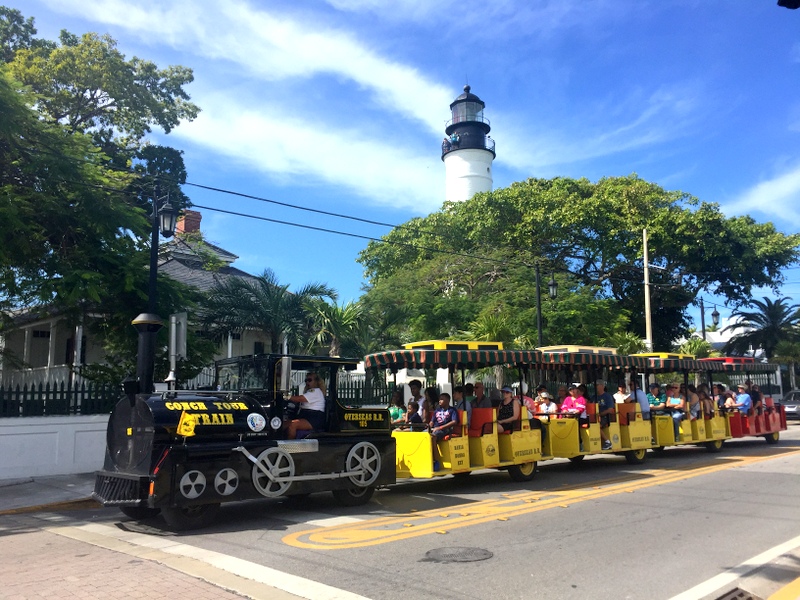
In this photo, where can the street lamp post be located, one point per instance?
(714, 317)
(149, 323)
(552, 288)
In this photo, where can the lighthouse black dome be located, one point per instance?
(467, 127)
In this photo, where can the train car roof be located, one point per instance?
(477, 359)
(300, 362)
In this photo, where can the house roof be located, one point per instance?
(191, 272)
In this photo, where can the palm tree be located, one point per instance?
(696, 346)
(626, 342)
(766, 327)
(263, 304)
(334, 323)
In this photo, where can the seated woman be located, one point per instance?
(693, 400)
(508, 412)
(546, 407)
(397, 408)
(575, 404)
(676, 404)
(312, 407)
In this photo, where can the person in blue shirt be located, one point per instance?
(743, 401)
(441, 425)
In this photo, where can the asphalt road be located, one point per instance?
(682, 523)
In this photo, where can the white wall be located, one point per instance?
(40, 446)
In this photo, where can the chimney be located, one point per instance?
(189, 222)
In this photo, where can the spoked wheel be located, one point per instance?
(139, 513)
(576, 459)
(278, 463)
(364, 457)
(184, 518)
(523, 472)
(353, 496)
(714, 445)
(773, 438)
(636, 457)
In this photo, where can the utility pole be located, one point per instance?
(648, 320)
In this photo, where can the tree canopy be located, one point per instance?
(479, 255)
(77, 176)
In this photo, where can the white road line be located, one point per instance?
(318, 519)
(731, 575)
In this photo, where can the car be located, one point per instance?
(791, 404)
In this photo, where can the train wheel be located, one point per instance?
(523, 472)
(278, 463)
(636, 457)
(139, 513)
(714, 445)
(366, 458)
(773, 438)
(353, 496)
(576, 459)
(184, 518)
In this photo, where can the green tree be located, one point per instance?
(590, 234)
(17, 32)
(264, 304)
(86, 84)
(625, 342)
(765, 327)
(698, 347)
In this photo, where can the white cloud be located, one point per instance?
(778, 198)
(287, 148)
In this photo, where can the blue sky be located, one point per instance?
(340, 105)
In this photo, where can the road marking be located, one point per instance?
(395, 528)
(241, 576)
(731, 575)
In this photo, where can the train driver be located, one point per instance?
(312, 407)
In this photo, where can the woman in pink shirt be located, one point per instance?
(575, 403)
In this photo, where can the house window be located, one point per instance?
(236, 336)
(41, 333)
(258, 347)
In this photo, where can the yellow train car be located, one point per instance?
(453, 345)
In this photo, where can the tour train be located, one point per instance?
(183, 453)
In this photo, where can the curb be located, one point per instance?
(80, 504)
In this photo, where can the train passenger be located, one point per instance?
(429, 403)
(706, 402)
(677, 406)
(755, 396)
(621, 395)
(508, 411)
(606, 408)
(730, 400)
(546, 406)
(575, 404)
(311, 416)
(638, 395)
(412, 420)
(415, 385)
(495, 397)
(692, 400)
(481, 401)
(461, 402)
(397, 409)
(719, 395)
(441, 425)
(562, 394)
(743, 400)
(656, 399)
(469, 393)
(532, 404)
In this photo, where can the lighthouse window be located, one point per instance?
(467, 111)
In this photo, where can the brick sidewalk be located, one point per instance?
(37, 564)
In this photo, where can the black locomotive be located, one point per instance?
(183, 453)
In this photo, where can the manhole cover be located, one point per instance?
(449, 555)
(738, 594)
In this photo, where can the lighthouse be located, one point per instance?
(467, 149)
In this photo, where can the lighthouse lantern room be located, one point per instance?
(467, 149)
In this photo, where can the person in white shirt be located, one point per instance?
(312, 407)
(621, 396)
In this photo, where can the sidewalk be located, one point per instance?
(46, 493)
(49, 555)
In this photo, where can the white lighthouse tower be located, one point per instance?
(467, 149)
